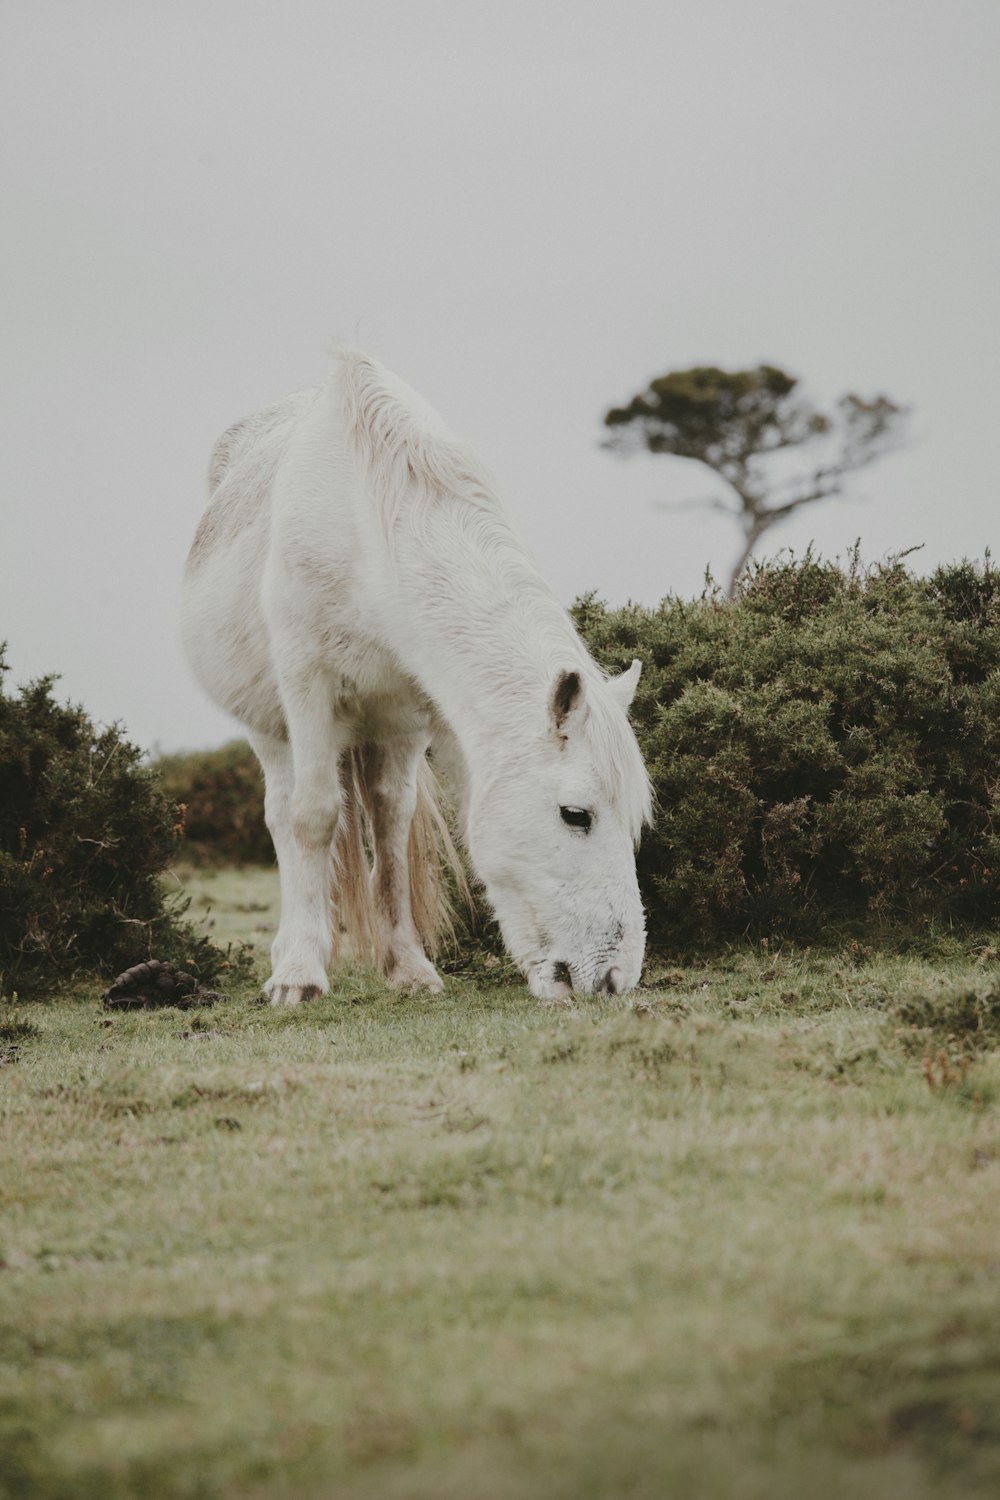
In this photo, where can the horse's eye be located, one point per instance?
(576, 817)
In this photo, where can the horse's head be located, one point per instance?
(552, 833)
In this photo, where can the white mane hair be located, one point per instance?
(355, 594)
(415, 466)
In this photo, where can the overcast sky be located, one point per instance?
(527, 210)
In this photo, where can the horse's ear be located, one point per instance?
(624, 686)
(567, 696)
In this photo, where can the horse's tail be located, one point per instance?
(437, 873)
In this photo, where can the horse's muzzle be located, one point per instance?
(554, 980)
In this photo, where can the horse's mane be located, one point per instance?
(408, 453)
(412, 461)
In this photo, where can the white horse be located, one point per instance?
(355, 594)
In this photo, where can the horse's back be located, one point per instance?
(222, 627)
(241, 475)
(276, 584)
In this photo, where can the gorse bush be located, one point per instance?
(222, 794)
(825, 750)
(824, 747)
(85, 833)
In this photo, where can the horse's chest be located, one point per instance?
(375, 696)
(393, 710)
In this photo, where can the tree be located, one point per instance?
(734, 422)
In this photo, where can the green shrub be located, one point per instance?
(825, 747)
(825, 750)
(85, 833)
(222, 795)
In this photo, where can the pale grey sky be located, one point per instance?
(527, 210)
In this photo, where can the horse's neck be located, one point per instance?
(482, 632)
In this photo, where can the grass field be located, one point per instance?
(740, 1238)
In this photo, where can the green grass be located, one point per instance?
(740, 1239)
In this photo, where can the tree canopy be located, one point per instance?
(734, 422)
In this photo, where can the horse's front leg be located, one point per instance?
(389, 789)
(301, 807)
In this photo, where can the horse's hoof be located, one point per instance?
(416, 976)
(291, 994)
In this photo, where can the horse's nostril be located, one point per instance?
(561, 974)
(611, 984)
